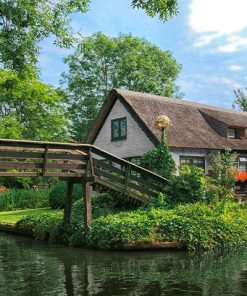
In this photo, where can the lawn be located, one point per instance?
(14, 216)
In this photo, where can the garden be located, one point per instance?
(194, 210)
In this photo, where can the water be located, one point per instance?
(29, 268)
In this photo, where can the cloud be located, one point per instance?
(222, 81)
(233, 43)
(219, 20)
(236, 68)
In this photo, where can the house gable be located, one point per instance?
(137, 141)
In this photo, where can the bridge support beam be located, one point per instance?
(87, 207)
(68, 202)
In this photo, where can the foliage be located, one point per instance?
(58, 193)
(101, 63)
(15, 216)
(28, 182)
(30, 109)
(159, 160)
(222, 171)
(197, 226)
(164, 9)
(25, 23)
(14, 199)
(16, 182)
(44, 227)
(188, 187)
(241, 99)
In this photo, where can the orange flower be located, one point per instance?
(241, 176)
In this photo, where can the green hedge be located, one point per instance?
(195, 225)
(58, 193)
(13, 199)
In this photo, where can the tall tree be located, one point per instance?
(241, 99)
(24, 23)
(164, 9)
(101, 63)
(30, 109)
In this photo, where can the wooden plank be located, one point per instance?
(7, 165)
(70, 175)
(39, 165)
(41, 145)
(40, 155)
(141, 189)
(148, 183)
(111, 177)
(36, 174)
(21, 154)
(20, 174)
(67, 156)
(106, 166)
(66, 166)
(120, 189)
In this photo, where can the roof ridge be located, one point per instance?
(177, 101)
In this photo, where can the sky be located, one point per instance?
(208, 37)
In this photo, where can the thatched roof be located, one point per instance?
(193, 125)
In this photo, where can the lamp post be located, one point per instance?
(163, 122)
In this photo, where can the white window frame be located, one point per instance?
(231, 133)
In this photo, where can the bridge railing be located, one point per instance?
(81, 161)
(47, 159)
(124, 176)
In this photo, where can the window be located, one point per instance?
(242, 165)
(119, 129)
(137, 161)
(193, 161)
(231, 133)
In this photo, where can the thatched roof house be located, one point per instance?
(126, 126)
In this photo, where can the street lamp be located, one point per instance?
(163, 122)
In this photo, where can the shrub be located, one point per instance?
(188, 187)
(58, 193)
(48, 227)
(222, 172)
(13, 199)
(194, 225)
(159, 160)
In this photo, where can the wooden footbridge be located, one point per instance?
(78, 163)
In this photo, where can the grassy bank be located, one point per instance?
(15, 216)
(194, 225)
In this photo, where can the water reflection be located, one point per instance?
(32, 268)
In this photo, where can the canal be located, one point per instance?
(29, 268)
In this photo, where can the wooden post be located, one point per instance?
(127, 175)
(87, 206)
(68, 202)
(45, 161)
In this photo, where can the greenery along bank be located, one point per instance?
(196, 225)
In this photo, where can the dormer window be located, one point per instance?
(231, 133)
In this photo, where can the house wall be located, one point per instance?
(137, 142)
